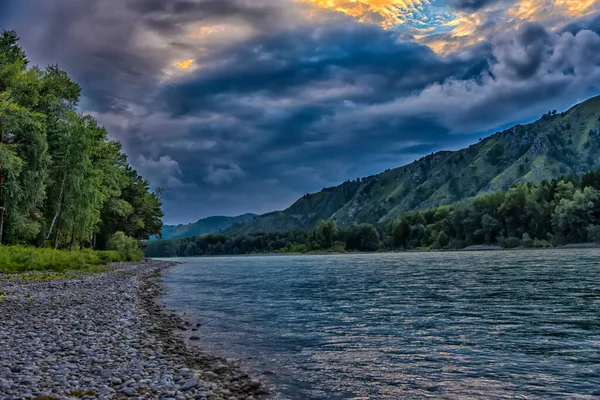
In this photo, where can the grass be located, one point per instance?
(18, 259)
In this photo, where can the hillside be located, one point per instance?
(203, 226)
(556, 145)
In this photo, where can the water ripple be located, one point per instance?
(481, 325)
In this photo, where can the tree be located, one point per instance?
(60, 175)
(23, 170)
(594, 233)
(324, 234)
(400, 233)
(572, 218)
(443, 239)
(364, 237)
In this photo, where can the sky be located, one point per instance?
(236, 106)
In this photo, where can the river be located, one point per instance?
(481, 325)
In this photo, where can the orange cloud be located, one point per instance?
(540, 10)
(467, 29)
(388, 13)
(185, 64)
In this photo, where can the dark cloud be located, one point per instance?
(474, 5)
(278, 105)
(169, 14)
(359, 57)
(591, 23)
(521, 55)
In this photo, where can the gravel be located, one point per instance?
(103, 336)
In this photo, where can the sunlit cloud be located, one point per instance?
(184, 64)
(387, 13)
(578, 7)
(536, 10)
(445, 29)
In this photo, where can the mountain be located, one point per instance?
(558, 144)
(203, 226)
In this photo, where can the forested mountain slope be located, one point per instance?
(558, 144)
(203, 226)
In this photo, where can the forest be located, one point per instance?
(553, 213)
(64, 184)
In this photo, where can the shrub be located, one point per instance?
(109, 256)
(339, 246)
(127, 248)
(443, 240)
(594, 233)
(541, 244)
(527, 241)
(457, 244)
(510, 242)
(22, 259)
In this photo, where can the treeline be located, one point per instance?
(325, 237)
(552, 213)
(63, 182)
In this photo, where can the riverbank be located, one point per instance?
(103, 336)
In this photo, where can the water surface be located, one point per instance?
(481, 325)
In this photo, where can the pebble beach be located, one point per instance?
(103, 336)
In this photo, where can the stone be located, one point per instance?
(190, 384)
(102, 336)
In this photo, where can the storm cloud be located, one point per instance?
(240, 106)
(474, 5)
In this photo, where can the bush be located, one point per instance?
(510, 242)
(443, 239)
(541, 244)
(23, 259)
(339, 246)
(594, 233)
(527, 241)
(109, 256)
(127, 248)
(457, 244)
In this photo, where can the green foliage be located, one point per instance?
(364, 237)
(326, 237)
(510, 242)
(494, 156)
(339, 246)
(15, 259)
(572, 218)
(443, 239)
(594, 233)
(527, 241)
(127, 247)
(63, 183)
(541, 244)
(324, 234)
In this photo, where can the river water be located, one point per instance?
(481, 325)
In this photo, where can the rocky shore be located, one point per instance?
(102, 336)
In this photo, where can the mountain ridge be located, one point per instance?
(203, 226)
(558, 144)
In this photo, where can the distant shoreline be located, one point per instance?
(477, 248)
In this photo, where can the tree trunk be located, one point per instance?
(62, 185)
(57, 238)
(43, 244)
